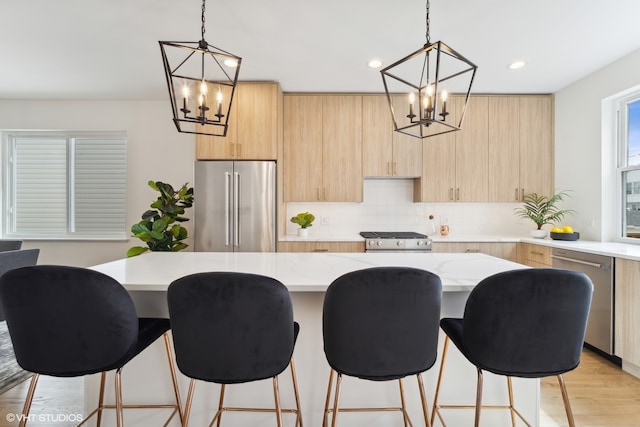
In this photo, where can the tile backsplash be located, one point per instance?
(388, 206)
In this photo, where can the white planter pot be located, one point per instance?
(539, 234)
(303, 232)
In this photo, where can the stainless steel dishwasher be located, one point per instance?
(600, 270)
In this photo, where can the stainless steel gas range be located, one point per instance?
(396, 241)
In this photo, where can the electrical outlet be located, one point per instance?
(326, 220)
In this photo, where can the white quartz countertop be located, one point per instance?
(300, 272)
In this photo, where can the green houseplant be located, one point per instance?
(304, 220)
(160, 227)
(543, 210)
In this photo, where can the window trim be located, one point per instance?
(621, 168)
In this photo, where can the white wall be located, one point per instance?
(156, 151)
(583, 156)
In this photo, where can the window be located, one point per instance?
(65, 185)
(629, 164)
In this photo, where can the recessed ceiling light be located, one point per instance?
(517, 64)
(375, 63)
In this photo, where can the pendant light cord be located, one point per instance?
(203, 4)
(427, 23)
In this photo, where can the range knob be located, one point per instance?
(379, 242)
(421, 243)
(400, 243)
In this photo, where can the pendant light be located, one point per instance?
(202, 80)
(418, 86)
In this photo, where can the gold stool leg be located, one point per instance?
(223, 388)
(296, 393)
(478, 398)
(187, 406)
(103, 379)
(326, 402)
(27, 403)
(119, 417)
(423, 399)
(435, 410)
(511, 405)
(334, 420)
(276, 394)
(403, 402)
(565, 399)
(174, 378)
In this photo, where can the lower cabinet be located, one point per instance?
(627, 315)
(534, 255)
(506, 250)
(320, 246)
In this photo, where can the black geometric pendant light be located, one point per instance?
(201, 80)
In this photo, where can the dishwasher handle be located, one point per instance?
(579, 261)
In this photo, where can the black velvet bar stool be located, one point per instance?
(381, 324)
(70, 322)
(527, 323)
(232, 328)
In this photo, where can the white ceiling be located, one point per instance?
(108, 49)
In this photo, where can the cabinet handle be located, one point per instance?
(457, 194)
(517, 195)
(472, 251)
(324, 194)
(395, 168)
(388, 168)
(522, 194)
(318, 193)
(321, 250)
(239, 151)
(451, 194)
(537, 253)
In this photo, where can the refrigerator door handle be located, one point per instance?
(227, 208)
(236, 209)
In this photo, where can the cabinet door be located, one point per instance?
(438, 180)
(377, 129)
(504, 149)
(259, 111)
(407, 150)
(302, 148)
(218, 147)
(472, 152)
(627, 315)
(342, 148)
(321, 247)
(536, 145)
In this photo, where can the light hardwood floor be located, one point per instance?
(602, 395)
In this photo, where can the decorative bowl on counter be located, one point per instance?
(564, 236)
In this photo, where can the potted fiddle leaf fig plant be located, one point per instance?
(304, 220)
(543, 210)
(161, 227)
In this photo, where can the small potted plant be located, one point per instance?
(543, 210)
(304, 220)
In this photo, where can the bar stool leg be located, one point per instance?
(119, 417)
(223, 388)
(511, 405)
(435, 410)
(296, 393)
(565, 399)
(334, 420)
(27, 403)
(423, 399)
(478, 399)
(174, 378)
(276, 393)
(328, 399)
(402, 400)
(187, 406)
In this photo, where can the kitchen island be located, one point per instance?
(307, 276)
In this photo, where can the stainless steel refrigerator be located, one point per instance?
(235, 206)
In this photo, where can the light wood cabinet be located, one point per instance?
(534, 255)
(627, 315)
(520, 147)
(456, 164)
(255, 126)
(323, 148)
(320, 246)
(504, 250)
(386, 153)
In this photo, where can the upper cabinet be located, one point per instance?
(255, 126)
(504, 150)
(455, 164)
(323, 148)
(520, 147)
(387, 153)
